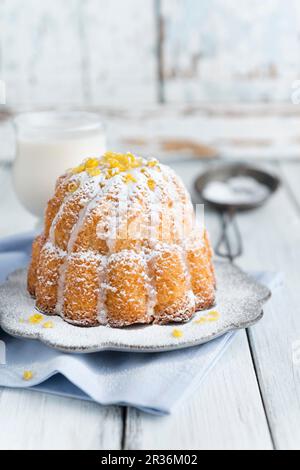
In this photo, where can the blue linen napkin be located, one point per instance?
(155, 383)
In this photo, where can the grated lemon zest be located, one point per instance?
(27, 375)
(35, 319)
(177, 333)
(48, 324)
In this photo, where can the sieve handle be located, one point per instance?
(229, 246)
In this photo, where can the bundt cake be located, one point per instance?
(121, 246)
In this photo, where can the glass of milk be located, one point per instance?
(48, 143)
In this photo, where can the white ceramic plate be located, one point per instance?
(239, 302)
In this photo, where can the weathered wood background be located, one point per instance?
(126, 52)
(225, 73)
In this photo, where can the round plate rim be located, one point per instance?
(114, 346)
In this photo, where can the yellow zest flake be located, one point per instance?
(152, 163)
(78, 169)
(132, 158)
(27, 375)
(111, 172)
(36, 318)
(129, 178)
(73, 186)
(109, 154)
(93, 171)
(177, 333)
(48, 324)
(201, 321)
(213, 316)
(214, 313)
(91, 163)
(151, 184)
(121, 161)
(114, 163)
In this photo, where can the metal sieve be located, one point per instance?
(226, 247)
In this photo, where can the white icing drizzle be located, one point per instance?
(89, 200)
(153, 198)
(122, 198)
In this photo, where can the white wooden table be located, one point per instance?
(251, 400)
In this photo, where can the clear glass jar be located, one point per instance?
(48, 143)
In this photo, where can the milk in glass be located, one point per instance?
(49, 143)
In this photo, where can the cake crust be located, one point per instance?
(121, 246)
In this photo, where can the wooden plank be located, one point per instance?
(253, 132)
(34, 421)
(219, 51)
(41, 53)
(237, 131)
(226, 412)
(119, 44)
(233, 131)
(75, 52)
(271, 240)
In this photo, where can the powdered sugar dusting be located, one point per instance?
(130, 212)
